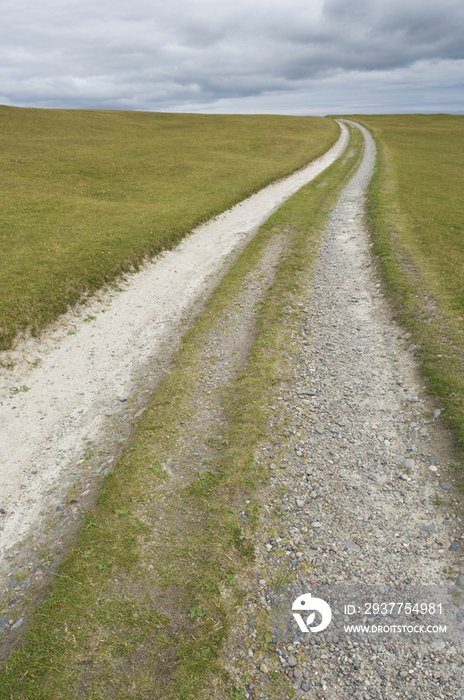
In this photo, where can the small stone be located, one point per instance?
(17, 624)
(436, 413)
(316, 524)
(433, 468)
(409, 463)
(438, 645)
(413, 399)
(446, 485)
(352, 546)
(3, 511)
(305, 687)
(263, 668)
(122, 399)
(454, 547)
(436, 674)
(405, 477)
(429, 528)
(292, 662)
(300, 503)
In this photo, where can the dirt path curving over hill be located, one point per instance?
(70, 393)
(355, 502)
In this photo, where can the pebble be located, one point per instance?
(446, 485)
(429, 528)
(17, 624)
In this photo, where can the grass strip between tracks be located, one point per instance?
(141, 609)
(416, 212)
(86, 195)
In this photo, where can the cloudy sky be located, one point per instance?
(242, 56)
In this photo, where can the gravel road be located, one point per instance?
(71, 394)
(360, 506)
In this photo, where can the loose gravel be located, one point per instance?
(359, 494)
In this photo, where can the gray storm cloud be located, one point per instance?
(158, 55)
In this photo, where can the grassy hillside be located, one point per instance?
(416, 211)
(87, 194)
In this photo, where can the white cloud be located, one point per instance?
(199, 55)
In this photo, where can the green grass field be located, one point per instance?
(85, 195)
(416, 210)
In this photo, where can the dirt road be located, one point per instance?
(68, 392)
(359, 510)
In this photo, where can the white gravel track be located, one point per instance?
(89, 361)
